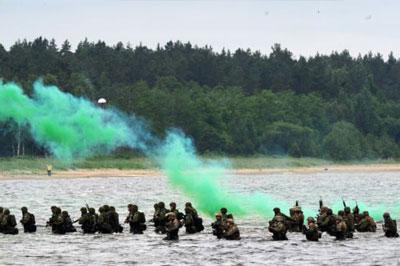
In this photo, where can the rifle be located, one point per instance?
(297, 203)
(344, 203)
(320, 202)
(87, 206)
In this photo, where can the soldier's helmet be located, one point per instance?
(1, 209)
(24, 209)
(172, 204)
(224, 210)
(386, 215)
(83, 210)
(188, 204)
(277, 210)
(229, 221)
(310, 220)
(6, 211)
(135, 207)
(161, 204)
(347, 210)
(92, 210)
(366, 213)
(296, 209)
(64, 213)
(130, 205)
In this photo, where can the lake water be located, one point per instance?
(255, 248)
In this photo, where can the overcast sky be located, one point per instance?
(304, 27)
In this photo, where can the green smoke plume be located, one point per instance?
(70, 127)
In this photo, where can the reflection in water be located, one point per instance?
(254, 248)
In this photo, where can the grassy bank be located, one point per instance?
(36, 165)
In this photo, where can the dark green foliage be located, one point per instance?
(242, 102)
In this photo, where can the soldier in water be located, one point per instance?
(8, 223)
(136, 220)
(160, 218)
(389, 226)
(28, 221)
(172, 227)
(367, 223)
(85, 221)
(231, 231)
(278, 228)
(312, 233)
(218, 226)
(341, 228)
(67, 222)
(349, 220)
(113, 218)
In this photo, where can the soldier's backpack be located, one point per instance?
(12, 221)
(142, 218)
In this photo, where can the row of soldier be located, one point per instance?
(169, 221)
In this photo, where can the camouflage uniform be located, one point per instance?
(67, 222)
(349, 220)
(160, 219)
(8, 223)
(113, 218)
(278, 228)
(218, 226)
(136, 220)
(231, 231)
(341, 229)
(312, 233)
(172, 227)
(367, 224)
(86, 222)
(389, 226)
(28, 221)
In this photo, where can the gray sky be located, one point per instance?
(304, 27)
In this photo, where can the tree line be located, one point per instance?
(237, 103)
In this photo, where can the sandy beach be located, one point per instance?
(92, 173)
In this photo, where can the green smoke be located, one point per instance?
(202, 181)
(71, 128)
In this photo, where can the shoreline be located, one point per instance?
(137, 173)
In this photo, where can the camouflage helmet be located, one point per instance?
(229, 221)
(224, 210)
(6, 212)
(347, 210)
(83, 210)
(386, 215)
(92, 211)
(279, 218)
(24, 209)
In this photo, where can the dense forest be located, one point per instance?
(230, 102)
